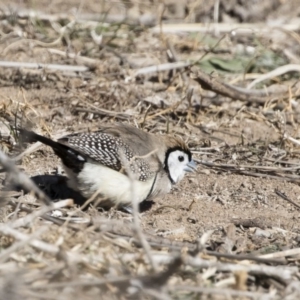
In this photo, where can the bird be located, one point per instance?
(108, 161)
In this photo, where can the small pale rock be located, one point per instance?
(56, 213)
(262, 233)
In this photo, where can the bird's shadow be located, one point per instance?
(56, 188)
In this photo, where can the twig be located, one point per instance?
(285, 273)
(92, 19)
(87, 61)
(21, 222)
(226, 293)
(287, 137)
(22, 180)
(207, 82)
(135, 207)
(285, 253)
(7, 230)
(244, 167)
(162, 67)
(29, 150)
(14, 64)
(277, 72)
(237, 29)
(5, 254)
(54, 220)
(105, 112)
(283, 196)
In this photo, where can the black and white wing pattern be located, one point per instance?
(109, 151)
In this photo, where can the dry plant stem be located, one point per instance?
(54, 220)
(287, 137)
(7, 230)
(285, 273)
(277, 72)
(21, 179)
(135, 209)
(104, 112)
(223, 28)
(120, 229)
(285, 253)
(207, 82)
(84, 18)
(28, 151)
(237, 169)
(283, 196)
(156, 294)
(137, 224)
(162, 67)
(244, 167)
(28, 41)
(241, 257)
(226, 293)
(5, 254)
(91, 282)
(87, 61)
(21, 222)
(14, 64)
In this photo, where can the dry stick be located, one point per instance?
(283, 272)
(196, 61)
(21, 41)
(156, 280)
(87, 61)
(7, 230)
(154, 294)
(291, 178)
(82, 282)
(175, 245)
(223, 28)
(135, 208)
(21, 179)
(92, 19)
(207, 82)
(227, 293)
(287, 137)
(283, 196)
(162, 67)
(5, 254)
(32, 148)
(240, 257)
(277, 72)
(54, 220)
(243, 167)
(105, 112)
(126, 231)
(14, 64)
(21, 222)
(279, 254)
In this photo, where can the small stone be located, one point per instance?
(262, 233)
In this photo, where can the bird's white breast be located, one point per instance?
(111, 184)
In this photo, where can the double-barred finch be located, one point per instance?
(108, 161)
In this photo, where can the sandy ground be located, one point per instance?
(218, 129)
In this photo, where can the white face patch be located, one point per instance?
(177, 162)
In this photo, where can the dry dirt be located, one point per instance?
(218, 130)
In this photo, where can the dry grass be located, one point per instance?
(228, 232)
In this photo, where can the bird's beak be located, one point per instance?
(190, 167)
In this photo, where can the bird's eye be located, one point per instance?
(180, 158)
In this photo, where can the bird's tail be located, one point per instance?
(27, 136)
(70, 157)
